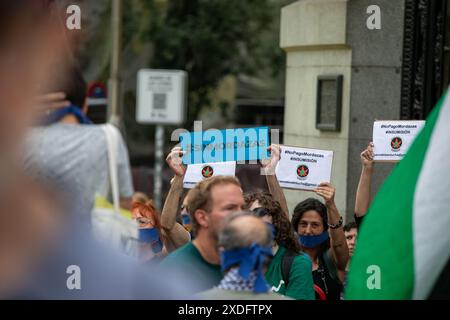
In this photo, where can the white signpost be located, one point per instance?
(161, 100)
(392, 139)
(303, 168)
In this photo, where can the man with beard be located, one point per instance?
(210, 202)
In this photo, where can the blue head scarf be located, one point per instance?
(249, 259)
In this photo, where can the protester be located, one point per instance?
(176, 234)
(75, 153)
(351, 233)
(210, 202)
(362, 202)
(151, 238)
(246, 249)
(289, 273)
(186, 217)
(268, 169)
(322, 238)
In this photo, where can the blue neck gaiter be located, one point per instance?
(151, 235)
(186, 219)
(249, 260)
(57, 115)
(313, 241)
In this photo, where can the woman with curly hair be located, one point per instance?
(289, 272)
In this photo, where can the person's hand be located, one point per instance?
(327, 192)
(270, 163)
(51, 101)
(367, 156)
(175, 162)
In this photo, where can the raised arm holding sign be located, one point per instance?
(174, 232)
(269, 165)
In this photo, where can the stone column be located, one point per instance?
(313, 34)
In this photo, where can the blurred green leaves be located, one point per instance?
(210, 39)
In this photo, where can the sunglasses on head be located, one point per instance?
(260, 212)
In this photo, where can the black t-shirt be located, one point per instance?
(322, 278)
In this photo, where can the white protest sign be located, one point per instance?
(200, 171)
(392, 139)
(303, 168)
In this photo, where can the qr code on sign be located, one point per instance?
(159, 101)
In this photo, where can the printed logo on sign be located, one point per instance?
(396, 143)
(302, 172)
(207, 172)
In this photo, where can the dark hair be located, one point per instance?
(72, 83)
(307, 205)
(350, 225)
(285, 233)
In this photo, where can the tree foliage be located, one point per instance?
(209, 39)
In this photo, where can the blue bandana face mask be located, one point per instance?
(151, 236)
(186, 220)
(313, 241)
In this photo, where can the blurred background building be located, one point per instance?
(260, 62)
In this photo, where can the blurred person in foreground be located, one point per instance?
(209, 203)
(246, 249)
(68, 147)
(45, 251)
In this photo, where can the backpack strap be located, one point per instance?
(331, 267)
(286, 264)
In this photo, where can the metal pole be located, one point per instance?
(114, 112)
(159, 156)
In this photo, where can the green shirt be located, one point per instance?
(188, 262)
(300, 285)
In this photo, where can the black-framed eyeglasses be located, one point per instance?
(260, 212)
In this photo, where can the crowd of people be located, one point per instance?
(308, 256)
(215, 241)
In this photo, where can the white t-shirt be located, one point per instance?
(76, 156)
